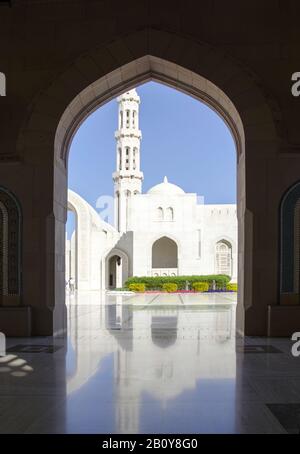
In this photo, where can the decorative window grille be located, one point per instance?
(224, 258)
(10, 238)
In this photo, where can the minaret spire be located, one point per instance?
(127, 177)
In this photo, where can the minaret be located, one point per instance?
(127, 177)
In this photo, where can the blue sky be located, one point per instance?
(182, 139)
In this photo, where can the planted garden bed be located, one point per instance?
(181, 284)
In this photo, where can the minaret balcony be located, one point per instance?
(127, 174)
(128, 132)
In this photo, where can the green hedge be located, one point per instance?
(170, 287)
(201, 286)
(156, 283)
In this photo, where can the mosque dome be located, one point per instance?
(166, 188)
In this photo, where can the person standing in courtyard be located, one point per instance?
(71, 285)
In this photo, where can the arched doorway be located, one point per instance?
(103, 83)
(148, 68)
(164, 257)
(115, 272)
(10, 249)
(290, 246)
(116, 269)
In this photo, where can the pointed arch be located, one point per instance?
(10, 248)
(160, 214)
(290, 242)
(116, 268)
(223, 251)
(121, 65)
(164, 253)
(169, 214)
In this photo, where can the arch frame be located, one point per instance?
(168, 235)
(227, 239)
(287, 239)
(155, 239)
(86, 220)
(106, 65)
(125, 265)
(228, 244)
(18, 207)
(200, 89)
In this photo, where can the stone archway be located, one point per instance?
(116, 269)
(290, 246)
(10, 249)
(153, 68)
(84, 264)
(164, 256)
(108, 71)
(114, 272)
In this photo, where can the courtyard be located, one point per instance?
(149, 363)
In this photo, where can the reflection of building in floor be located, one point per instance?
(165, 231)
(173, 344)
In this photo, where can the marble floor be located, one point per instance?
(149, 363)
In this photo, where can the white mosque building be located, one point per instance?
(164, 232)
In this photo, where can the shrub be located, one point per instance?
(156, 283)
(169, 287)
(201, 286)
(137, 287)
(232, 287)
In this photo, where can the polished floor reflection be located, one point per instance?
(148, 363)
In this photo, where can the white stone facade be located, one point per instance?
(163, 232)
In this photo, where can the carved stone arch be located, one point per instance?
(227, 239)
(87, 219)
(10, 248)
(198, 70)
(290, 243)
(164, 253)
(241, 87)
(123, 262)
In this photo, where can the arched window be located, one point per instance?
(10, 245)
(135, 151)
(127, 154)
(121, 119)
(224, 258)
(119, 159)
(133, 119)
(290, 244)
(160, 214)
(169, 214)
(127, 119)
